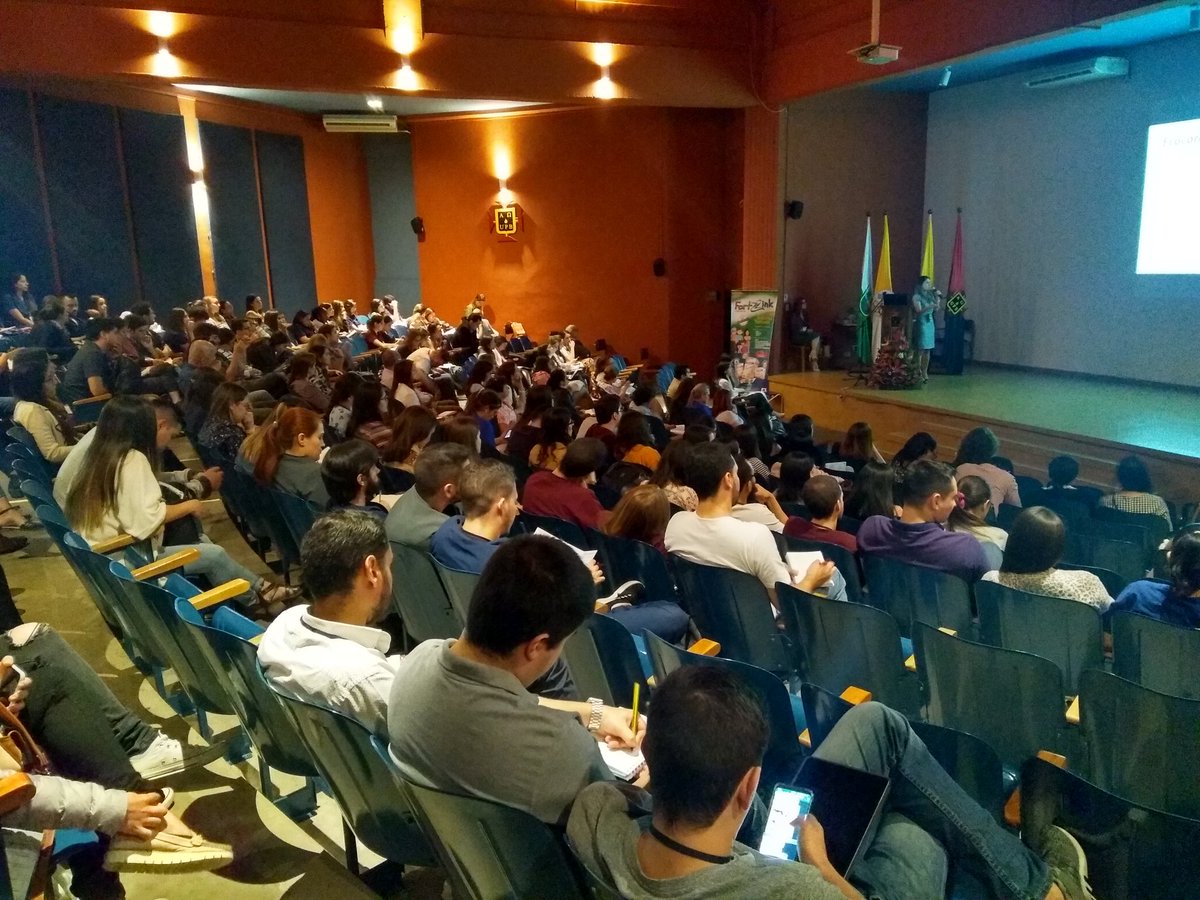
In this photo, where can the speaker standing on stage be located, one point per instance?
(925, 301)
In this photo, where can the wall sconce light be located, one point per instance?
(406, 78)
(504, 195)
(602, 55)
(164, 64)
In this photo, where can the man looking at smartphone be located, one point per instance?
(704, 744)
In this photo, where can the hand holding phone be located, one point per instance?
(789, 805)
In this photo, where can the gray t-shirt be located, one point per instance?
(607, 821)
(412, 521)
(472, 729)
(301, 476)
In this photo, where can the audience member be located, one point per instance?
(566, 493)
(230, 421)
(974, 457)
(108, 486)
(350, 472)
(92, 371)
(794, 471)
(50, 333)
(366, 415)
(1062, 472)
(421, 510)
(1136, 494)
(970, 516)
(635, 443)
(18, 306)
(641, 514)
(711, 536)
(672, 475)
(491, 737)
(705, 744)
(754, 503)
(553, 438)
(921, 445)
(858, 448)
(527, 433)
(1034, 548)
(875, 493)
(32, 380)
(483, 406)
(291, 449)
(751, 450)
(1175, 600)
(412, 430)
(917, 537)
(329, 651)
(298, 383)
(460, 429)
(800, 438)
(822, 497)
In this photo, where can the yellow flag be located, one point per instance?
(927, 250)
(883, 275)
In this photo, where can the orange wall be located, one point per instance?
(339, 206)
(604, 192)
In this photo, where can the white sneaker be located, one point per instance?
(625, 595)
(167, 756)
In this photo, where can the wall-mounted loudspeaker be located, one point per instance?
(418, 226)
(793, 209)
(660, 267)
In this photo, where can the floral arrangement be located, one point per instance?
(895, 366)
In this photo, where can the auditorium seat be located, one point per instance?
(1156, 655)
(1066, 632)
(625, 559)
(604, 661)
(419, 597)
(845, 561)
(458, 587)
(912, 594)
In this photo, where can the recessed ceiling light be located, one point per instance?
(375, 103)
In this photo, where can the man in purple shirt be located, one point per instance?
(917, 537)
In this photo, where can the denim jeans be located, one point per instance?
(928, 819)
(660, 617)
(217, 566)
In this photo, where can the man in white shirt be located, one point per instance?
(330, 652)
(755, 503)
(711, 536)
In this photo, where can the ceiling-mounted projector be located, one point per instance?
(876, 54)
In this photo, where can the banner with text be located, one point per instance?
(752, 324)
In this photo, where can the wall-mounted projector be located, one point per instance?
(876, 54)
(363, 123)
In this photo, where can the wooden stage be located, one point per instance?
(1036, 415)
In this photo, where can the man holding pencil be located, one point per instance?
(460, 718)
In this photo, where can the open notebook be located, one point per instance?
(586, 555)
(624, 764)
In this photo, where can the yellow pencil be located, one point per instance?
(636, 691)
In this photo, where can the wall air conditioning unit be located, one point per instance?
(1078, 72)
(361, 123)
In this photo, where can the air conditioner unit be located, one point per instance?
(364, 123)
(1078, 72)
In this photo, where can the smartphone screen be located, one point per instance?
(781, 838)
(11, 680)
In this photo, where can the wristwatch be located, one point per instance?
(593, 724)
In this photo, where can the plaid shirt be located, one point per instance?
(1137, 502)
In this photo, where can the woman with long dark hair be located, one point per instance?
(367, 417)
(1035, 545)
(857, 448)
(33, 380)
(921, 445)
(299, 384)
(1135, 492)
(1176, 600)
(411, 432)
(873, 493)
(635, 443)
(341, 398)
(794, 471)
(230, 421)
(527, 433)
(671, 475)
(552, 443)
(114, 490)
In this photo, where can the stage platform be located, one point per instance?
(1036, 415)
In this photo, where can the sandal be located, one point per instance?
(13, 518)
(273, 598)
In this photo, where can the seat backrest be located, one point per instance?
(365, 787)
(836, 645)
(840, 557)
(598, 887)
(459, 586)
(1156, 528)
(666, 374)
(55, 524)
(918, 594)
(560, 528)
(1156, 655)
(1030, 490)
(1012, 700)
(419, 596)
(203, 683)
(604, 660)
(733, 609)
(262, 515)
(1133, 851)
(270, 728)
(783, 746)
(1141, 744)
(1066, 632)
(625, 559)
(490, 851)
(1128, 559)
(39, 494)
(298, 514)
(26, 469)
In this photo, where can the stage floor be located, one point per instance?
(1139, 416)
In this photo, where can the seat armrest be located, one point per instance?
(1073, 711)
(856, 695)
(1012, 808)
(166, 564)
(89, 400)
(220, 593)
(120, 542)
(911, 663)
(705, 647)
